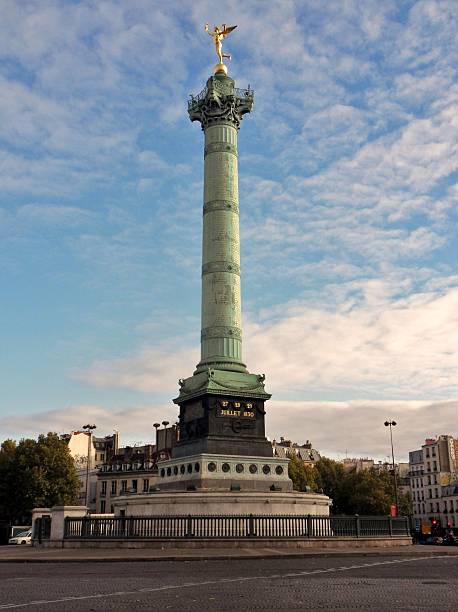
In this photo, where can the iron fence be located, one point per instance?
(246, 526)
(42, 528)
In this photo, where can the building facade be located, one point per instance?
(284, 448)
(89, 453)
(132, 469)
(432, 472)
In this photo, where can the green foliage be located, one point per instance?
(364, 492)
(35, 473)
(405, 504)
(303, 476)
(329, 478)
(369, 492)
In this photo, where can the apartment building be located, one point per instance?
(432, 473)
(284, 448)
(132, 470)
(89, 453)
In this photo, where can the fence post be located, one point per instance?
(406, 518)
(189, 533)
(390, 525)
(357, 525)
(251, 531)
(84, 525)
(309, 526)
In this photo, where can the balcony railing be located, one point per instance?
(246, 93)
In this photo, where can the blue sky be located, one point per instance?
(348, 168)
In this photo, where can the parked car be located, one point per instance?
(433, 540)
(22, 538)
(450, 540)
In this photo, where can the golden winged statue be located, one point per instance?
(218, 34)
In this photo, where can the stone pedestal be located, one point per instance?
(216, 472)
(222, 504)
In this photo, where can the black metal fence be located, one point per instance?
(42, 528)
(220, 527)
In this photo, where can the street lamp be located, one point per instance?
(156, 427)
(88, 429)
(165, 423)
(392, 424)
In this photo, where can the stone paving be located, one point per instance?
(31, 554)
(336, 582)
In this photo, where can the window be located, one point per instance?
(145, 485)
(104, 488)
(112, 509)
(102, 506)
(102, 456)
(435, 466)
(123, 486)
(436, 494)
(114, 487)
(434, 451)
(427, 452)
(134, 484)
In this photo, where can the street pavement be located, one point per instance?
(28, 554)
(388, 581)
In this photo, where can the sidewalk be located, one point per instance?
(27, 554)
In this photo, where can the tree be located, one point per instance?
(330, 477)
(35, 473)
(369, 492)
(302, 475)
(405, 504)
(364, 492)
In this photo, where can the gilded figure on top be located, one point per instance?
(218, 34)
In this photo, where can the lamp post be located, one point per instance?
(392, 424)
(165, 423)
(88, 429)
(156, 427)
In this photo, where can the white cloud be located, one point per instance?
(52, 215)
(356, 427)
(335, 428)
(153, 369)
(371, 344)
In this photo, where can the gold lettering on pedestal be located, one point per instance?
(228, 412)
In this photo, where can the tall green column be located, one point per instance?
(221, 404)
(219, 108)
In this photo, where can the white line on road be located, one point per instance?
(169, 587)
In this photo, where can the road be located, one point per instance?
(386, 582)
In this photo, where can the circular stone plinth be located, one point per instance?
(226, 503)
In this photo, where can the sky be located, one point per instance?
(348, 171)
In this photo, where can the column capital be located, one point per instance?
(220, 102)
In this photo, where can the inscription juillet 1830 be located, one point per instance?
(235, 409)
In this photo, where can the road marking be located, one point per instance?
(170, 587)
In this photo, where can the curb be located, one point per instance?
(223, 557)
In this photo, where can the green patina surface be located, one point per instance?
(220, 108)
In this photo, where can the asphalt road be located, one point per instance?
(336, 583)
